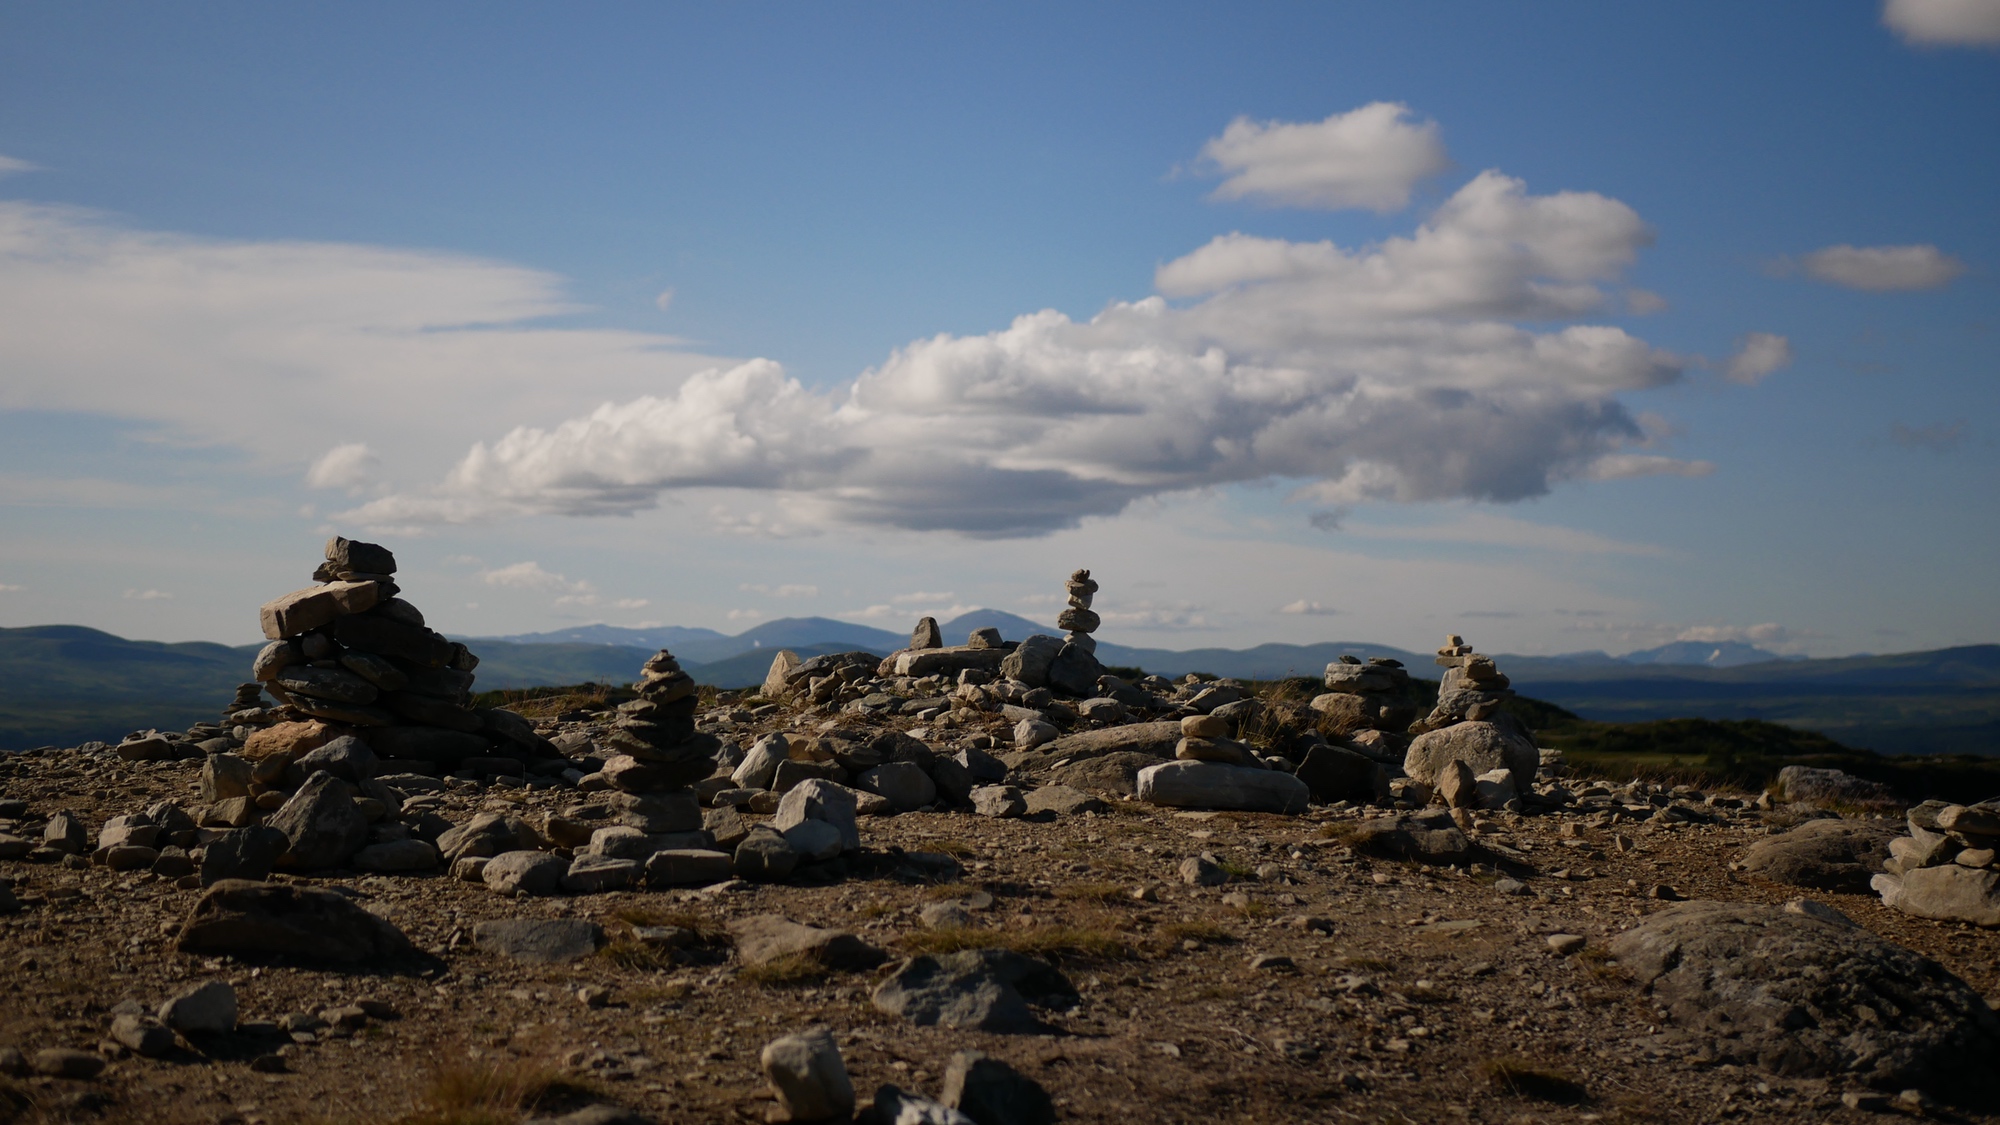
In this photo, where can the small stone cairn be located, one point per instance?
(1075, 668)
(1945, 867)
(658, 748)
(1370, 696)
(1472, 688)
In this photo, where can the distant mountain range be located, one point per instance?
(63, 684)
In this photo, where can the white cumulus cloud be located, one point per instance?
(352, 466)
(1392, 372)
(1962, 23)
(1305, 608)
(1369, 157)
(1760, 354)
(1883, 269)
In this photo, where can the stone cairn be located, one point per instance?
(1468, 753)
(1945, 868)
(349, 651)
(1366, 697)
(658, 748)
(1472, 688)
(1075, 668)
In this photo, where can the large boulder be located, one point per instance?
(1827, 855)
(1812, 786)
(247, 919)
(977, 990)
(1212, 785)
(1947, 892)
(1430, 837)
(1157, 739)
(1483, 746)
(1805, 992)
(1116, 772)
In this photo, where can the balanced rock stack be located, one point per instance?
(1075, 668)
(1371, 696)
(658, 748)
(349, 651)
(1472, 688)
(1945, 867)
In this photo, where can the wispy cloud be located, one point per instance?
(1944, 23)
(1878, 269)
(790, 590)
(1305, 608)
(147, 595)
(13, 166)
(1495, 530)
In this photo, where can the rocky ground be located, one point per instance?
(1224, 966)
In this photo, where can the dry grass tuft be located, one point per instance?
(497, 1094)
(1102, 945)
(16, 1101)
(1524, 1078)
(1207, 933)
(638, 956)
(789, 971)
(1365, 964)
(704, 928)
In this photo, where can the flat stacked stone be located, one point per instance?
(1366, 696)
(1076, 669)
(658, 748)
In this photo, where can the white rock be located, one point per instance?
(1212, 785)
(806, 1073)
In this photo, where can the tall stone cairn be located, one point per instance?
(349, 651)
(659, 749)
(1076, 669)
(1370, 696)
(1472, 687)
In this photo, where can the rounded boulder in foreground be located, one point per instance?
(1800, 994)
(1483, 746)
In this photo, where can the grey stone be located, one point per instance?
(1812, 786)
(243, 853)
(897, 1106)
(726, 826)
(594, 874)
(142, 1035)
(761, 938)
(131, 830)
(396, 855)
(66, 833)
(487, 834)
(1030, 733)
(1798, 995)
(1827, 855)
(1063, 800)
(347, 758)
(806, 1073)
(1948, 892)
(657, 812)
(999, 801)
(1116, 772)
(903, 784)
(981, 765)
(1075, 671)
(815, 840)
(1481, 745)
(818, 799)
(1030, 660)
(954, 782)
(1424, 837)
(322, 824)
(760, 763)
(524, 873)
(925, 635)
(976, 989)
(1199, 871)
(224, 776)
(765, 856)
(207, 1007)
(1212, 785)
(245, 918)
(539, 941)
(991, 1092)
(688, 867)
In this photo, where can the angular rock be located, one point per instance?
(991, 1092)
(657, 812)
(224, 776)
(902, 784)
(760, 763)
(819, 799)
(347, 758)
(767, 937)
(207, 1007)
(976, 990)
(814, 840)
(1827, 855)
(330, 685)
(1157, 739)
(1030, 733)
(1117, 772)
(897, 1106)
(395, 855)
(322, 824)
(1948, 892)
(243, 853)
(1482, 746)
(1424, 837)
(539, 941)
(524, 873)
(806, 1073)
(1062, 800)
(487, 834)
(1211, 785)
(65, 833)
(1808, 785)
(288, 739)
(765, 856)
(302, 611)
(142, 1035)
(245, 918)
(999, 801)
(1799, 995)
(593, 874)
(1198, 871)
(688, 867)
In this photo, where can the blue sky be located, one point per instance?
(1565, 326)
